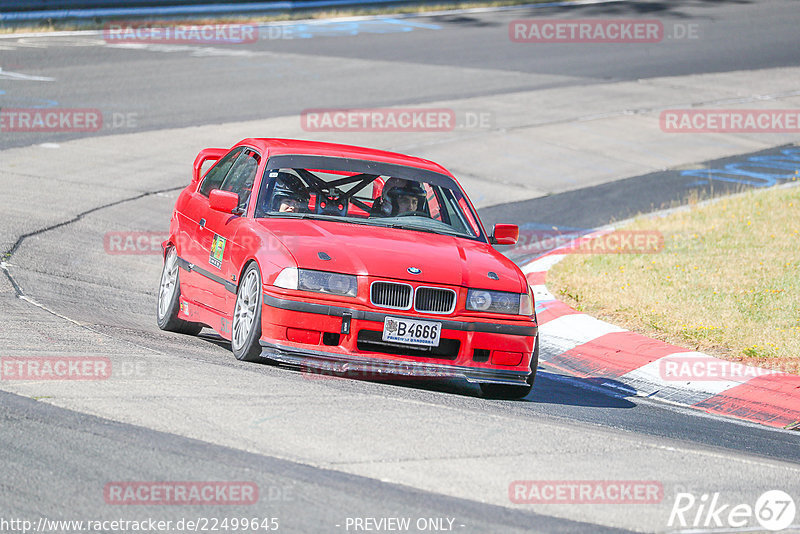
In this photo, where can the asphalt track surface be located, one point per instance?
(309, 496)
(48, 452)
(420, 60)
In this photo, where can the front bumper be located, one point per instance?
(345, 357)
(334, 363)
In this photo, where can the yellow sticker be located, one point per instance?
(217, 250)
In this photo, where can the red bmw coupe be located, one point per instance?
(344, 259)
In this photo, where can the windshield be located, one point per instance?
(365, 192)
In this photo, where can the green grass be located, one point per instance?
(727, 281)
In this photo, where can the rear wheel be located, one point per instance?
(503, 391)
(246, 331)
(169, 296)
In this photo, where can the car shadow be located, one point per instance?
(549, 387)
(212, 337)
(594, 392)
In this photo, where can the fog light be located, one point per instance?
(301, 335)
(502, 357)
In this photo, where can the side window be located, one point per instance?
(216, 175)
(241, 176)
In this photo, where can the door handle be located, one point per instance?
(202, 223)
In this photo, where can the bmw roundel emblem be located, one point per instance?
(413, 270)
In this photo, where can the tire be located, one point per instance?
(169, 296)
(503, 391)
(246, 327)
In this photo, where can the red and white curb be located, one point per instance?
(586, 347)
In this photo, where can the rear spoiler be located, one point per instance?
(207, 154)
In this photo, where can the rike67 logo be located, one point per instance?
(774, 510)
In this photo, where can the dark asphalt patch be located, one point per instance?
(603, 204)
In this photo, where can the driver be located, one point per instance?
(406, 202)
(400, 196)
(289, 194)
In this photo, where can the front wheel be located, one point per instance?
(503, 391)
(169, 296)
(246, 331)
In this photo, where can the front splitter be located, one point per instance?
(372, 368)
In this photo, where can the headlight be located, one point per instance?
(287, 278)
(526, 303)
(319, 281)
(499, 302)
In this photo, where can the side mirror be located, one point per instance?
(505, 234)
(224, 201)
(207, 154)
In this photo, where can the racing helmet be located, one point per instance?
(288, 187)
(398, 187)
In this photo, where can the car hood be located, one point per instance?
(390, 253)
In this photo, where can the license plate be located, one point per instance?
(411, 331)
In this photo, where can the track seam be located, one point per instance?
(20, 294)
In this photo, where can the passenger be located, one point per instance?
(289, 194)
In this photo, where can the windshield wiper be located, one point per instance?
(420, 229)
(293, 215)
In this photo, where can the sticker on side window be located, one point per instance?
(217, 249)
